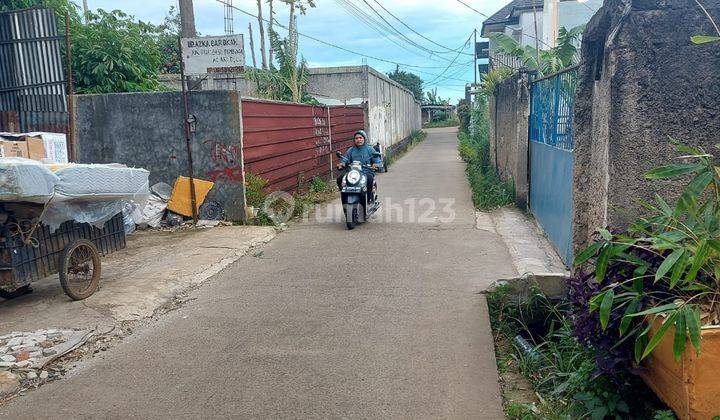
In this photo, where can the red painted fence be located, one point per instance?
(288, 144)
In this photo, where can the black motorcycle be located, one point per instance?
(358, 205)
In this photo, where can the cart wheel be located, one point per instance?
(80, 269)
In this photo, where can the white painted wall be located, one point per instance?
(569, 14)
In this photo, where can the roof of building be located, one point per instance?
(505, 16)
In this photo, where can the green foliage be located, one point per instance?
(411, 81)
(449, 120)
(463, 113)
(114, 53)
(489, 191)
(704, 39)
(289, 80)
(432, 98)
(492, 79)
(111, 51)
(318, 185)
(254, 189)
(167, 36)
(666, 270)
(563, 55)
(562, 370)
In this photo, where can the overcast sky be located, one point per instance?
(447, 22)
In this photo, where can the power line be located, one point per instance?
(454, 59)
(483, 14)
(416, 32)
(383, 27)
(330, 44)
(472, 8)
(403, 35)
(369, 21)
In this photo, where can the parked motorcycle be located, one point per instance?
(354, 193)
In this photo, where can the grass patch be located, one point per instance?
(319, 191)
(489, 191)
(453, 122)
(560, 371)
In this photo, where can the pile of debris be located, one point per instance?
(170, 208)
(25, 355)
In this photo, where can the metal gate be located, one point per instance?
(32, 80)
(551, 158)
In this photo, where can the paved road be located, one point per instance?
(380, 322)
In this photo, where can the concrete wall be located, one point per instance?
(147, 130)
(640, 84)
(392, 111)
(509, 111)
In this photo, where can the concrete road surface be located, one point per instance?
(380, 322)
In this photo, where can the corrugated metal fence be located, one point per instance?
(551, 157)
(288, 144)
(32, 80)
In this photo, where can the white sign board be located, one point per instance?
(213, 54)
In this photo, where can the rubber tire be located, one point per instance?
(351, 219)
(64, 260)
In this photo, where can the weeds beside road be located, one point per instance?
(489, 191)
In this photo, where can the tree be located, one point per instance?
(114, 53)
(564, 55)
(167, 40)
(409, 80)
(111, 51)
(288, 81)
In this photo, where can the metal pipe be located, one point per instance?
(332, 173)
(72, 152)
(188, 136)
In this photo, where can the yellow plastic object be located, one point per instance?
(180, 201)
(57, 166)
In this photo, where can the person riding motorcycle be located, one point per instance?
(365, 154)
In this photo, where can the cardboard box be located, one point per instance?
(180, 201)
(9, 148)
(36, 147)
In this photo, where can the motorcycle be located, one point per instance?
(354, 193)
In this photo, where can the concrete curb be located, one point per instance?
(534, 259)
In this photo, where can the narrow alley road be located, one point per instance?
(380, 322)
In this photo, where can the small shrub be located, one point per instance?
(489, 191)
(317, 185)
(254, 185)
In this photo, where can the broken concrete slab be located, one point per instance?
(154, 268)
(9, 382)
(535, 260)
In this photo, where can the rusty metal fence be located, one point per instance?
(32, 80)
(288, 144)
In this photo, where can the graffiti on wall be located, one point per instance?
(226, 161)
(322, 140)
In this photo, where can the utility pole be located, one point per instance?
(270, 28)
(537, 41)
(187, 19)
(475, 56)
(261, 25)
(252, 45)
(85, 10)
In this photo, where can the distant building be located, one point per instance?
(535, 23)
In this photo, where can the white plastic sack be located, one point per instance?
(152, 213)
(26, 180)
